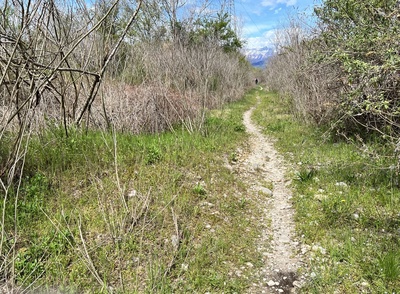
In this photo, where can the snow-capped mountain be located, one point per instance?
(258, 57)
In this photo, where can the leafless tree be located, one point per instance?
(50, 71)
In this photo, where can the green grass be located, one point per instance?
(165, 215)
(347, 200)
(149, 214)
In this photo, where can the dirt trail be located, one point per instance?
(261, 166)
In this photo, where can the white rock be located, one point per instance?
(205, 203)
(297, 284)
(356, 216)
(341, 184)
(266, 191)
(322, 250)
(320, 197)
(271, 283)
(175, 240)
(132, 193)
(184, 266)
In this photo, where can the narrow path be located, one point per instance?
(263, 168)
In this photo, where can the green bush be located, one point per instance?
(362, 39)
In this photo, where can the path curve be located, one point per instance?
(277, 244)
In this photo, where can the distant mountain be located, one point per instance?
(258, 57)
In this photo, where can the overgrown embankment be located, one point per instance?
(347, 200)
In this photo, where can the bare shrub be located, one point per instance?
(314, 88)
(174, 84)
(143, 109)
(53, 66)
(205, 69)
(49, 72)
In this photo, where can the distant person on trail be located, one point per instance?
(256, 81)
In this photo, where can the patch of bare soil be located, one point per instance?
(263, 168)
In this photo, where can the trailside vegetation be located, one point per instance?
(132, 66)
(343, 81)
(346, 73)
(106, 145)
(346, 204)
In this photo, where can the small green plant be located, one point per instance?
(153, 155)
(305, 175)
(239, 128)
(36, 185)
(30, 263)
(199, 190)
(277, 126)
(233, 157)
(34, 191)
(242, 203)
(390, 265)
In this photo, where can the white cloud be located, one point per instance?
(274, 3)
(255, 29)
(255, 43)
(268, 3)
(277, 10)
(266, 40)
(288, 2)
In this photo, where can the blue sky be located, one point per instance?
(258, 20)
